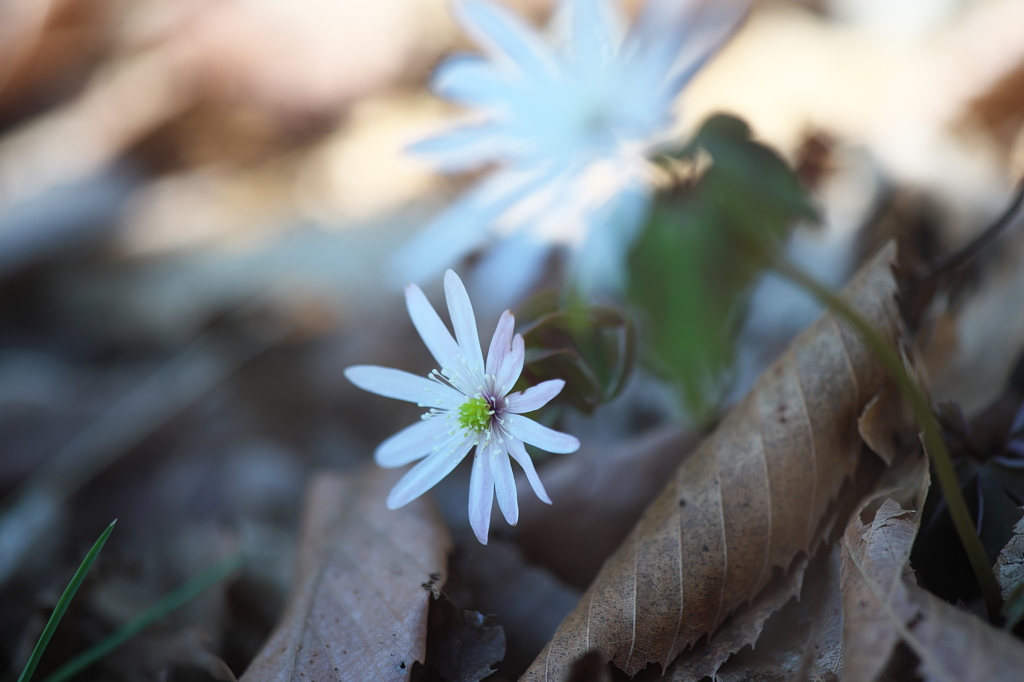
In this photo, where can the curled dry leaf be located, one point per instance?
(874, 561)
(752, 497)
(1009, 568)
(882, 606)
(363, 581)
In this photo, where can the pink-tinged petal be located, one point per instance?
(504, 34)
(427, 473)
(534, 397)
(501, 342)
(412, 443)
(519, 454)
(431, 329)
(464, 321)
(481, 496)
(394, 383)
(504, 482)
(529, 431)
(511, 367)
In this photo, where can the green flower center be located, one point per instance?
(475, 414)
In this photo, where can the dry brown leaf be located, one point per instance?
(743, 628)
(882, 606)
(877, 543)
(364, 577)
(1009, 568)
(748, 501)
(957, 646)
(802, 641)
(880, 550)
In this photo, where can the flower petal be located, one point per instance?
(504, 482)
(504, 34)
(460, 308)
(501, 342)
(394, 383)
(435, 335)
(519, 454)
(511, 367)
(481, 496)
(534, 397)
(594, 30)
(469, 79)
(411, 443)
(428, 473)
(466, 225)
(529, 431)
(467, 147)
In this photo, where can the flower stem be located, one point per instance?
(932, 435)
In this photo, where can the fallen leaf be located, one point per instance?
(952, 645)
(880, 552)
(743, 628)
(803, 640)
(462, 646)
(1009, 570)
(957, 646)
(753, 496)
(363, 581)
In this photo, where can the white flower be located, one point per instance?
(571, 124)
(470, 405)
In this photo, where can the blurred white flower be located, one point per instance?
(469, 405)
(571, 123)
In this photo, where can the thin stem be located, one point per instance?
(933, 441)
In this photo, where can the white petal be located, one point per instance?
(473, 80)
(504, 34)
(467, 147)
(594, 29)
(511, 367)
(460, 308)
(714, 24)
(501, 342)
(519, 454)
(427, 474)
(435, 335)
(481, 496)
(394, 383)
(529, 431)
(504, 482)
(411, 443)
(534, 397)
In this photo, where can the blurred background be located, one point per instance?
(197, 201)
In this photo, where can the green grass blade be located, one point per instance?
(172, 601)
(62, 604)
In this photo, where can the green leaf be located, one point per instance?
(701, 250)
